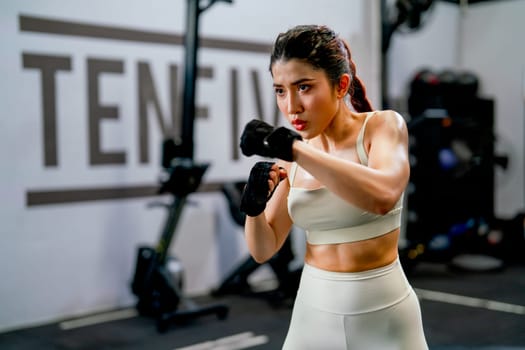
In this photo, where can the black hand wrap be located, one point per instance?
(256, 192)
(264, 140)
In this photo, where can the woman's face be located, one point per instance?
(304, 96)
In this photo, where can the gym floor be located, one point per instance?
(461, 310)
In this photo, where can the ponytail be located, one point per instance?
(358, 97)
(357, 90)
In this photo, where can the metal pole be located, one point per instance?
(385, 41)
(190, 68)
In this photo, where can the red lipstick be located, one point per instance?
(299, 124)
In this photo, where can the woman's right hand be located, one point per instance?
(262, 182)
(264, 201)
(277, 174)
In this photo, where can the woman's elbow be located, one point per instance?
(386, 203)
(260, 258)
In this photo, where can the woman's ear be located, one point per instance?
(344, 85)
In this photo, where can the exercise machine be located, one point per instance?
(236, 282)
(158, 278)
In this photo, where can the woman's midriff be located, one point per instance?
(354, 256)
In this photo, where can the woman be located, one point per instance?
(347, 167)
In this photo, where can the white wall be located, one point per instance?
(66, 259)
(494, 49)
(484, 38)
(433, 46)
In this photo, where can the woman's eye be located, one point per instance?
(279, 91)
(303, 87)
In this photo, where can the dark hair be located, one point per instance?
(323, 49)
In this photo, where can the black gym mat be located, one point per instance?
(254, 324)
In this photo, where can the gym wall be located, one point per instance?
(88, 91)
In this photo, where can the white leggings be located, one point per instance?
(375, 309)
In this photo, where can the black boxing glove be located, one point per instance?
(256, 192)
(252, 138)
(279, 143)
(264, 140)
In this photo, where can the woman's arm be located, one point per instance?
(376, 187)
(266, 233)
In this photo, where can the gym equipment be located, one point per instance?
(158, 278)
(398, 15)
(236, 282)
(506, 239)
(476, 263)
(451, 188)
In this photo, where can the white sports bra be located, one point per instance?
(329, 219)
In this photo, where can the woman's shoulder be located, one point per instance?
(386, 123)
(386, 118)
(385, 114)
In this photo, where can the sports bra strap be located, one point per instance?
(361, 153)
(293, 170)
